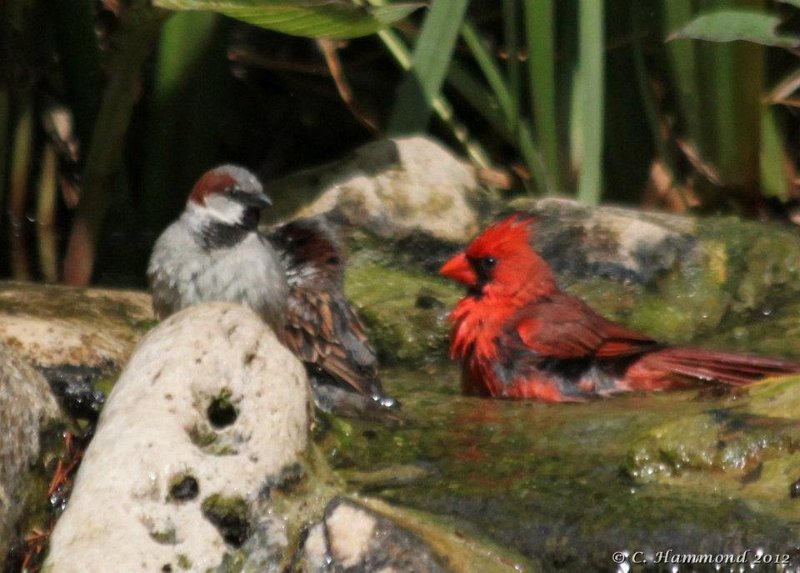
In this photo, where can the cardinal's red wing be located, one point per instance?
(565, 327)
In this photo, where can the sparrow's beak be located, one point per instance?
(257, 199)
(260, 200)
(459, 269)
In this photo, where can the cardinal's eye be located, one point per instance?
(487, 263)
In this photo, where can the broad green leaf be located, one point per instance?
(312, 18)
(732, 25)
(795, 3)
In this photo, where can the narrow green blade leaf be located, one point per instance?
(492, 73)
(483, 102)
(540, 26)
(775, 181)
(685, 71)
(429, 67)
(441, 107)
(732, 25)
(731, 76)
(589, 83)
(312, 18)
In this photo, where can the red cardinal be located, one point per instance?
(519, 336)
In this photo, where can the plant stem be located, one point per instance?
(139, 30)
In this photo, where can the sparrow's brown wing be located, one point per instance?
(322, 329)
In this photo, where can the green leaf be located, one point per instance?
(685, 70)
(732, 25)
(312, 18)
(431, 60)
(491, 71)
(775, 181)
(540, 25)
(589, 84)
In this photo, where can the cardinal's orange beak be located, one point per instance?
(459, 269)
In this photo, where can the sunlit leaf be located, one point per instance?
(732, 25)
(313, 18)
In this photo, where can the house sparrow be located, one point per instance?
(519, 336)
(294, 280)
(322, 329)
(214, 251)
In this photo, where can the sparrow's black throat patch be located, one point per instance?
(217, 235)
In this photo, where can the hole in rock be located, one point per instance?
(230, 516)
(222, 412)
(183, 488)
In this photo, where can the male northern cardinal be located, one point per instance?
(519, 336)
(293, 279)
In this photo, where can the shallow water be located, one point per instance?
(568, 484)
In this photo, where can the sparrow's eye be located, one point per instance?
(334, 260)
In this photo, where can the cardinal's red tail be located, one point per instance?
(696, 363)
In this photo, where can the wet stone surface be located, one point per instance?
(568, 484)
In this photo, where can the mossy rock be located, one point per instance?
(405, 311)
(566, 485)
(680, 279)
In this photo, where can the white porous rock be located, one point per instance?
(393, 187)
(159, 428)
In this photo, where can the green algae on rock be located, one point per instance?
(401, 329)
(680, 279)
(559, 483)
(230, 515)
